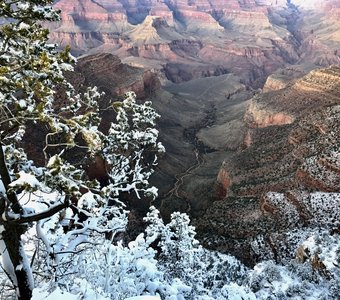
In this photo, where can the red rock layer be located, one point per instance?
(124, 28)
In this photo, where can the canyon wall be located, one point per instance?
(290, 154)
(184, 40)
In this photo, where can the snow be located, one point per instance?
(88, 201)
(66, 67)
(22, 103)
(42, 294)
(57, 294)
(2, 188)
(235, 292)
(6, 261)
(23, 5)
(144, 298)
(39, 201)
(26, 179)
(25, 265)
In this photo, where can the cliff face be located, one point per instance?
(276, 82)
(110, 75)
(258, 117)
(291, 153)
(318, 88)
(251, 39)
(248, 38)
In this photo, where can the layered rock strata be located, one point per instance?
(248, 38)
(111, 76)
(251, 39)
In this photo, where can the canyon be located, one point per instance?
(184, 40)
(240, 160)
(248, 101)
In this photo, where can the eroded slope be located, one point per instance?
(286, 174)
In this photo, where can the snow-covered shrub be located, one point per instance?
(316, 275)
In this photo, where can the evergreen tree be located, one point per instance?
(57, 194)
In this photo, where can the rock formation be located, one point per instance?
(248, 38)
(111, 76)
(184, 40)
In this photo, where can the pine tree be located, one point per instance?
(57, 194)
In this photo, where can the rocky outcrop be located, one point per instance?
(258, 117)
(275, 82)
(294, 160)
(79, 15)
(110, 75)
(318, 88)
(223, 183)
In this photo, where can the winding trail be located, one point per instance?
(175, 191)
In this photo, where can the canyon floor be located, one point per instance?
(200, 125)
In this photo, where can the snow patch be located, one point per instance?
(144, 298)
(26, 179)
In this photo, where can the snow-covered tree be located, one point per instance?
(54, 200)
(190, 271)
(166, 260)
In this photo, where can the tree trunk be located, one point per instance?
(12, 239)
(12, 236)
